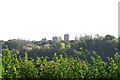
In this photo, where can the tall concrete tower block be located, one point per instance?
(55, 38)
(66, 37)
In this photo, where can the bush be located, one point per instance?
(59, 67)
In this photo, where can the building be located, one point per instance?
(44, 40)
(55, 38)
(66, 37)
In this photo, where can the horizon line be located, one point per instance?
(80, 35)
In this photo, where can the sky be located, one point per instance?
(36, 19)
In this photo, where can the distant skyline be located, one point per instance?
(34, 20)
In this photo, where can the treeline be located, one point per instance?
(14, 67)
(105, 46)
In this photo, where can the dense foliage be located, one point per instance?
(38, 59)
(105, 46)
(62, 66)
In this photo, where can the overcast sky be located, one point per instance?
(36, 19)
